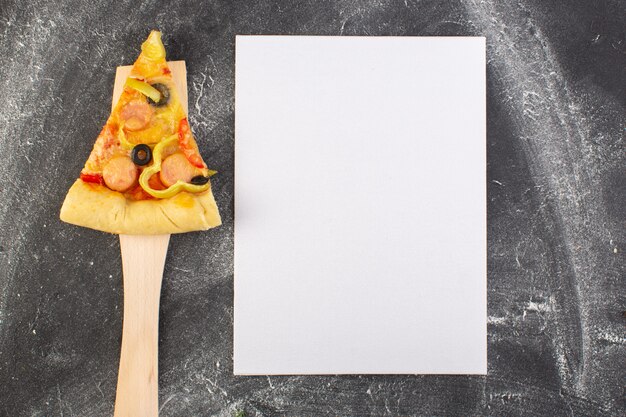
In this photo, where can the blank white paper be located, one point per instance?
(360, 205)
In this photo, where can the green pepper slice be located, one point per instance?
(121, 136)
(171, 191)
(144, 88)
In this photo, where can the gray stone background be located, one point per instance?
(556, 210)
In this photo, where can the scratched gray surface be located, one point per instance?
(556, 198)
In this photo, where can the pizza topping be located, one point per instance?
(199, 180)
(188, 145)
(148, 145)
(92, 178)
(165, 95)
(138, 193)
(155, 182)
(153, 48)
(141, 154)
(144, 88)
(159, 127)
(175, 168)
(136, 115)
(120, 173)
(178, 186)
(121, 137)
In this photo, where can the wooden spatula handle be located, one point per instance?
(143, 259)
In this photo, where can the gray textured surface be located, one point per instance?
(556, 198)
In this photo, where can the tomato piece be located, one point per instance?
(188, 145)
(92, 178)
(138, 193)
(155, 183)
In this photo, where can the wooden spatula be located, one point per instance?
(143, 260)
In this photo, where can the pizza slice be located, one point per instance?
(145, 174)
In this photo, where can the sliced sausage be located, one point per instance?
(176, 167)
(136, 115)
(120, 173)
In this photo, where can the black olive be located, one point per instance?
(141, 154)
(199, 180)
(165, 95)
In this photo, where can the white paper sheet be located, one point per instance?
(360, 225)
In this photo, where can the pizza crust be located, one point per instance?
(97, 207)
